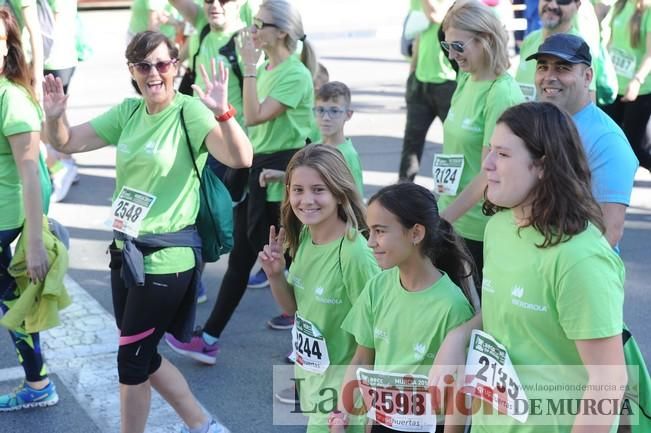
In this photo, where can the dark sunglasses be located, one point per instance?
(259, 24)
(456, 45)
(221, 2)
(561, 2)
(145, 67)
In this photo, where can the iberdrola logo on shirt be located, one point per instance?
(419, 351)
(318, 293)
(518, 292)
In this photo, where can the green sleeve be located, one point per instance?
(358, 266)
(581, 291)
(359, 321)
(285, 91)
(504, 94)
(20, 113)
(109, 125)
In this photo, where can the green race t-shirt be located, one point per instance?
(432, 66)
(474, 110)
(627, 59)
(19, 114)
(352, 159)
(153, 157)
(209, 49)
(525, 75)
(327, 279)
(406, 328)
(538, 301)
(289, 83)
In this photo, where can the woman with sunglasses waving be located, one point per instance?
(22, 205)
(278, 100)
(630, 49)
(155, 206)
(477, 41)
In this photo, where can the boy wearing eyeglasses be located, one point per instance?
(332, 111)
(557, 16)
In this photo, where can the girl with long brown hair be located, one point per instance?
(22, 204)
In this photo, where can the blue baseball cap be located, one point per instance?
(568, 47)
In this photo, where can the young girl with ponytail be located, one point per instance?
(405, 312)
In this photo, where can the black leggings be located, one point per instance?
(143, 315)
(633, 118)
(240, 263)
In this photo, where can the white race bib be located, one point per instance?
(310, 346)
(529, 91)
(624, 62)
(446, 171)
(129, 210)
(490, 373)
(398, 401)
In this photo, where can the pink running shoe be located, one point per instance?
(196, 349)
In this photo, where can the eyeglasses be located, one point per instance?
(145, 67)
(333, 112)
(259, 24)
(562, 2)
(457, 46)
(221, 2)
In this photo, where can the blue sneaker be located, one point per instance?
(25, 397)
(258, 281)
(202, 296)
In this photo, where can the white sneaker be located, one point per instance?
(62, 179)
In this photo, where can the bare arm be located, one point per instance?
(63, 138)
(633, 89)
(614, 216)
(470, 196)
(25, 148)
(435, 11)
(364, 357)
(36, 41)
(187, 8)
(227, 142)
(604, 360)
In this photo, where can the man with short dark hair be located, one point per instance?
(563, 77)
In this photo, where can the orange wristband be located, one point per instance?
(227, 115)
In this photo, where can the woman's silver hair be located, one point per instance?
(287, 18)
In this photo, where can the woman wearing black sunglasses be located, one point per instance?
(477, 41)
(278, 99)
(155, 205)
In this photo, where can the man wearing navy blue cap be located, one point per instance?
(563, 76)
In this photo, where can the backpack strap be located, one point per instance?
(230, 53)
(204, 32)
(187, 141)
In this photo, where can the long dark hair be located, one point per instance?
(332, 167)
(562, 204)
(413, 204)
(16, 68)
(636, 19)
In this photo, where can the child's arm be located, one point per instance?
(273, 263)
(450, 362)
(364, 357)
(269, 175)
